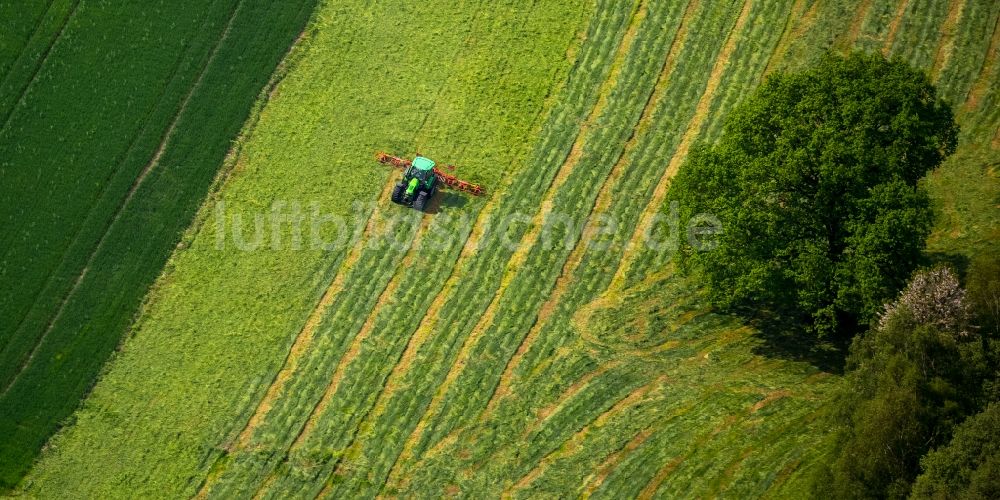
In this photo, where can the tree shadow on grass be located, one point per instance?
(784, 337)
(958, 262)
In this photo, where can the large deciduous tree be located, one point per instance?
(816, 181)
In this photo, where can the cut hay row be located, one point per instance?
(530, 239)
(580, 95)
(530, 287)
(948, 34)
(961, 82)
(600, 208)
(702, 19)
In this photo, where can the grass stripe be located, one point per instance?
(947, 34)
(129, 195)
(21, 91)
(601, 206)
(633, 398)
(982, 82)
(897, 20)
(694, 127)
(857, 23)
(530, 239)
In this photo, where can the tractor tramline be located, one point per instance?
(421, 178)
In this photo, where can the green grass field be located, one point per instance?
(575, 362)
(105, 156)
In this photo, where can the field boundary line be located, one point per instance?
(982, 83)
(231, 164)
(526, 244)
(897, 20)
(601, 205)
(128, 198)
(946, 44)
(41, 62)
(694, 127)
(633, 397)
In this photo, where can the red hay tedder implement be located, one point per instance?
(440, 176)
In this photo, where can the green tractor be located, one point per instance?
(418, 185)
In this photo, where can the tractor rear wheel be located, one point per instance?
(397, 193)
(421, 202)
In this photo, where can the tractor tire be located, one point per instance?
(421, 202)
(397, 193)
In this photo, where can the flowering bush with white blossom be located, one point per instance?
(934, 297)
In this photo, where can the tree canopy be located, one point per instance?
(969, 466)
(911, 379)
(815, 180)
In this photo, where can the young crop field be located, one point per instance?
(534, 342)
(105, 155)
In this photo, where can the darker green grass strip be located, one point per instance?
(143, 221)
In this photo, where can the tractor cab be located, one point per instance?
(418, 185)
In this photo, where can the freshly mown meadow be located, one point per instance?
(574, 362)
